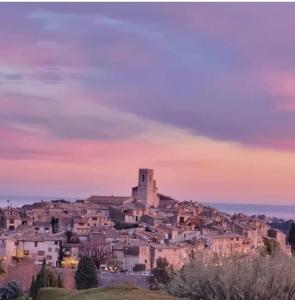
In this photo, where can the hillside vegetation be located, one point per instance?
(111, 293)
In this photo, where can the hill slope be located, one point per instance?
(111, 293)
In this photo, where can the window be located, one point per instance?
(11, 221)
(142, 177)
(36, 244)
(26, 252)
(49, 249)
(41, 253)
(48, 257)
(56, 243)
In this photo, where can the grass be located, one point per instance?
(111, 293)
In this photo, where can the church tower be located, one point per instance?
(146, 190)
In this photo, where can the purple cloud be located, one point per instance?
(195, 66)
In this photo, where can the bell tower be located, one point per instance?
(146, 190)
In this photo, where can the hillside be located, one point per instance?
(112, 293)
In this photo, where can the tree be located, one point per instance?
(59, 281)
(71, 237)
(54, 223)
(160, 274)
(291, 237)
(98, 253)
(45, 278)
(33, 287)
(10, 290)
(60, 254)
(86, 274)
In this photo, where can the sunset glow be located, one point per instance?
(201, 93)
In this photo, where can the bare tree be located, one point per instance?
(99, 251)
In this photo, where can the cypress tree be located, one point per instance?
(33, 287)
(59, 281)
(291, 237)
(45, 278)
(86, 274)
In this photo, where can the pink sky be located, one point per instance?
(201, 93)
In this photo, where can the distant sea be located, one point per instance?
(280, 211)
(286, 212)
(17, 201)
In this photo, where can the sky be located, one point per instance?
(203, 93)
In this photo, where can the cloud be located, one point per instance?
(198, 67)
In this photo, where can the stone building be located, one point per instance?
(146, 190)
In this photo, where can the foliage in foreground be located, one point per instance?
(10, 290)
(45, 278)
(86, 274)
(161, 274)
(251, 278)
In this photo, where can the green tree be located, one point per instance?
(86, 274)
(33, 287)
(59, 281)
(45, 278)
(291, 237)
(54, 223)
(160, 274)
(60, 254)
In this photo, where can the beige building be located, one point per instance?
(146, 191)
(228, 244)
(176, 255)
(39, 246)
(136, 257)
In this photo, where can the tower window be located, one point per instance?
(142, 177)
(150, 177)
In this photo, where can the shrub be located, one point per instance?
(139, 268)
(122, 225)
(10, 291)
(161, 274)
(86, 274)
(249, 278)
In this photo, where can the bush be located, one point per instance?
(86, 274)
(122, 225)
(139, 268)
(10, 291)
(161, 274)
(250, 278)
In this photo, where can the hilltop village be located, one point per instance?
(128, 234)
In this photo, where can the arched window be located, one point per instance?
(142, 177)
